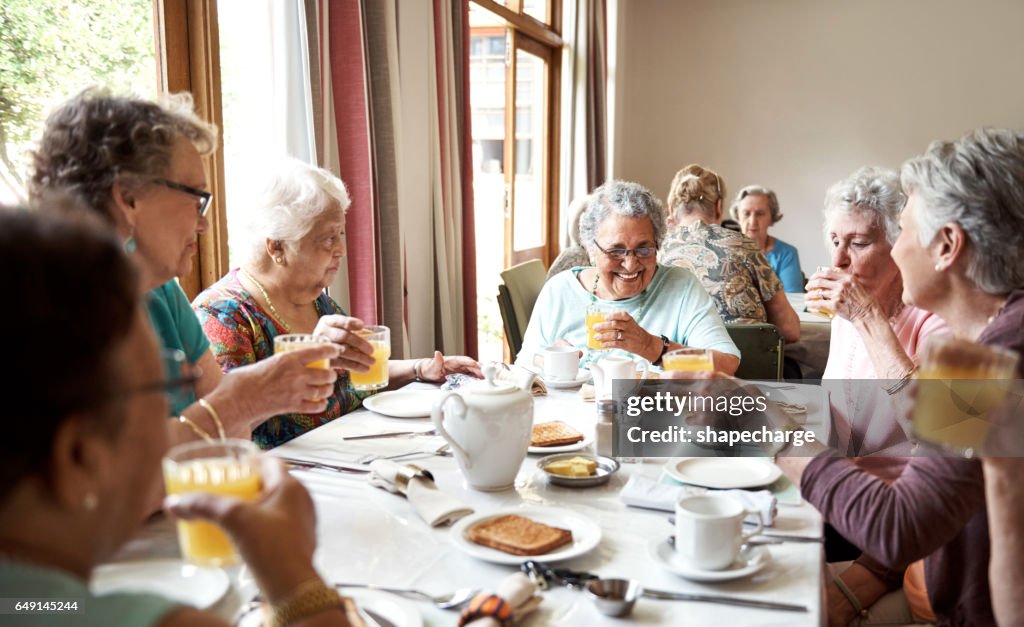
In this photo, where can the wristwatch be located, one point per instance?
(664, 349)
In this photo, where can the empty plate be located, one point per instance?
(723, 472)
(403, 403)
(173, 579)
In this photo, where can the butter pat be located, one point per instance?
(575, 467)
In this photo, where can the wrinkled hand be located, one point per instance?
(283, 384)
(355, 353)
(620, 330)
(841, 293)
(284, 510)
(435, 369)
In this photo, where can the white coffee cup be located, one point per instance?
(612, 367)
(709, 530)
(559, 363)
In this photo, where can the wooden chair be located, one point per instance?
(761, 350)
(521, 286)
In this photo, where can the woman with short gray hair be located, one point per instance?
(292, 248)
(756, 208)
(652, 309)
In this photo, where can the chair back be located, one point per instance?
(761, 350)
(522, 285)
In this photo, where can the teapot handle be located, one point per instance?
(437, 417)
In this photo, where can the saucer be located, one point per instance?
(175, 579)
(567, 384)
(723, 473)
(564, 448)
(750, 560)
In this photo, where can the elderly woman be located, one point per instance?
(756, 208)
(658, 308)
(292, 247)
(138, 165)
(81, 460)
(960, 257)
(575, 255)
(730, 266)
(874, 334)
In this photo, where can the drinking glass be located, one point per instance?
(298, 341)
(688, 359)
(959, 384)
(377, 377)
(824, 312)
(229, 467)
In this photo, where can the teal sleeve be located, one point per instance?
(787, 266)
(175, 322)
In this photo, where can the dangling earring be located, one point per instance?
(129, 245)
(90, 502)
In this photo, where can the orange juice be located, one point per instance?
(377, 376)
(824, 312)
(688, 359)
(953, 404)
(298, 341)
(204, 543)
(594, 316)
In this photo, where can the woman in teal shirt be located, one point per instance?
(756, 208)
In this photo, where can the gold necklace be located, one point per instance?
(266, 297)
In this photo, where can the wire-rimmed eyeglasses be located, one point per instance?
(641, 252)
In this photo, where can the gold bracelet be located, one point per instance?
(902, 383)
(213, 414)
(310, 598)
(196, 428)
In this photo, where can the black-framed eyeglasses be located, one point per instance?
(203, 196)
(179, 378)
(643, 252)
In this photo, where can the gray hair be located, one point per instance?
(625, 199)
(756, 190)
(977, 182)
(871, 190)
(576, 209)
(294, 196)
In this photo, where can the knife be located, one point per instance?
(707, 598)
(305, 463)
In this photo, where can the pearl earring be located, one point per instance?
(278, 260)
(938, 268)
(90, 502)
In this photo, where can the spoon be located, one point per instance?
(448, 601)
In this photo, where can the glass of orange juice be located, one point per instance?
(229, 467)
(688, 359)
(377, 377)
(959, 384)
(298, 341)
(824, 312)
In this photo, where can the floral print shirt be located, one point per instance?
(241, 332)
(729, 265)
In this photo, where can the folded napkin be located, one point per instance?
(514, 374)
(433, 506)
(515, 598)
(587, 393)
(643, 492)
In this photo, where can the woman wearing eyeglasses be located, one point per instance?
(756, 208)
(292, 244)
(138, 164)
(730, 266)
(660, 308)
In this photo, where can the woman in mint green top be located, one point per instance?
(138, 164)
(660, 308)
(80, 463)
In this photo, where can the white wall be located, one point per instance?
(796, 94)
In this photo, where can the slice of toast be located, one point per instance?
(554, 433)
(518, 535)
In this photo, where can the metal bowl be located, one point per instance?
(606, 466)
(614, 597)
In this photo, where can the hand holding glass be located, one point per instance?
(299, 341)
(376, 377)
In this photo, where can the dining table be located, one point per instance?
(367, 535)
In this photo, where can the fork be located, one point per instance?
(452, 600)
(371, 457)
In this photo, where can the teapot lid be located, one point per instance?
(491, 384)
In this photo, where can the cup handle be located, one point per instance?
(644, 369)
(437, 417)
(746, 535)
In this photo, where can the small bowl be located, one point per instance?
(606, 466)
(614, 597)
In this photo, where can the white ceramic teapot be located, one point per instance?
(488, 425)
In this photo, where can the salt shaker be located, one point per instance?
(605, 429)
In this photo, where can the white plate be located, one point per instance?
(174, 579)
(403, 403)
(723, 472)
(557, 384)
(586, 534)
(565, 448)
(750, 560)
(383, 606)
